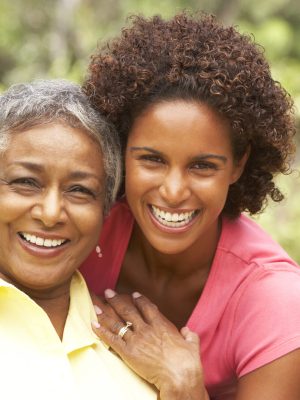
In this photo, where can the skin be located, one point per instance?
(154, 349)
(171, 267)
(179, 159)
(46, 194)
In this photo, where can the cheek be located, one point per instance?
(138, 185)
(88, 220)
(213, 190)
(138, 179)
(12, 208)
(89, 226)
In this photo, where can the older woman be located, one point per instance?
(59, 171)
(204, 129)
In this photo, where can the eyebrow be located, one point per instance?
(145, 148)
(210, 155)
(83, 175)
(40, 168)
(29, 165)
(198, 157)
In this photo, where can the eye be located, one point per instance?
(25, 182)
(81, 191)
(204, 167)
(152, 158)
(25, 186)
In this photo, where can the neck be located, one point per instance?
(54, 301)
(197, 259)
(56, 306)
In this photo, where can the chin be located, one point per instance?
(169, 248)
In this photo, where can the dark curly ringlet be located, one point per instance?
(196, 58)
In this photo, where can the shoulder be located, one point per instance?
(101, 270)
(265, 316)
(256, 265)
(117, 225)
(262, 286)
(243, 239)
(119, 216)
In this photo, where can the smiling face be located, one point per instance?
(51, 201)
(179, 166)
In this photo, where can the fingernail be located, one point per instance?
(98, 310)
(109, 293)
(96, 324)
(136, 295)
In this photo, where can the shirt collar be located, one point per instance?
(78, 331)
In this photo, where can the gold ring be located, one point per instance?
(124, 329)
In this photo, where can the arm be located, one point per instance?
(169, 359)
(278, 380)
(265, 337)
(153, 347)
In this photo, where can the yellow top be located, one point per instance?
(35, 364)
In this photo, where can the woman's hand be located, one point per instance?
(152, 346)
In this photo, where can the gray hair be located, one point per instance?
(40, 102)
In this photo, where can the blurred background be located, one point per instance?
(54, 38)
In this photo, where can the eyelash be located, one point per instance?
(26, 182)
(202, 165)
(82, 190)
(198, 165)
(151, 158)
(31, 183)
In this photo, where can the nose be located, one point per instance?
(175, 187)
(49, 209)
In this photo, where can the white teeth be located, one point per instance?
(175, 217)
(47, 243)
(173, 220)
(41, 241)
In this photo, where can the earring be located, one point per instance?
(98, 251)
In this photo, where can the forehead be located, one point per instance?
(52, 134)
(55, 144)
(181, 120)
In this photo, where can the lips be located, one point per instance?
(173, 220)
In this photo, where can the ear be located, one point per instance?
(239, 166)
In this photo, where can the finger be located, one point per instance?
(109, 338)
(125, 308)
(100, 305)
(97, 299)
(112, 323)
(150, 311)
(190, 336)
(107, 310)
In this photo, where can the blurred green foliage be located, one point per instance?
(282, 220)
(54, 38)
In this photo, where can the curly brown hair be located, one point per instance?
(196, 58)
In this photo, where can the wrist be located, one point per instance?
(188, 386)
(186, 393)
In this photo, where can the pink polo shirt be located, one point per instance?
(249, 311)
